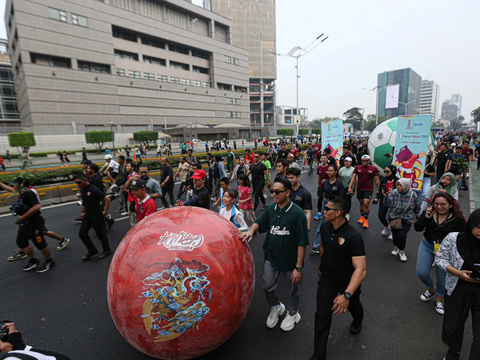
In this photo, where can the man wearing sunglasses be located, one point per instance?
(341, 268)
(287, 236)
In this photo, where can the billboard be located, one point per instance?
(411, 147)
(393, 92)
(332, 137)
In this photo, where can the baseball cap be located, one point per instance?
(365, 157)
(199, 174)
(138, 184)
(108, 157)
(453, 144)
(348, 158)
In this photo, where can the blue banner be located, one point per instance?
(332, 138)
(411, 147)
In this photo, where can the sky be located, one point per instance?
(438, 39)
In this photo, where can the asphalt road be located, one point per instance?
(66, 309)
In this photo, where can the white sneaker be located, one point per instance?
(439, 308)
(272, 319)
(386, 231)
(426, 296)
(125, 213)
(264, 196)
(395, 251)
(403, 257)
(289, 322)
(390, 237)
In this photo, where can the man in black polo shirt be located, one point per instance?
(299, 194)
(92, 200)
(284, 247)
(341, 268)
(259, 173)
(166, 182)
(201, 196)
(281, 166)
(282, 153)
(441, 161)
(96, 180)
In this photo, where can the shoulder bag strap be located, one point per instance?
(408, 204)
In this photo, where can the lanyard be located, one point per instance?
(444, 221)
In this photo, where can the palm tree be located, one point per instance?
(475, 114)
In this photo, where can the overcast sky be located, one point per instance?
(439, 39)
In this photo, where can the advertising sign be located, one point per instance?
(332, 137)
(411, 147)
(393, 92)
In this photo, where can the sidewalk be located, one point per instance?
(474, 187)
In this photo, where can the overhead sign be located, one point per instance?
(332, 137)
(393, 92)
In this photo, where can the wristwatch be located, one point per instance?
(299, 269)
(347, 295)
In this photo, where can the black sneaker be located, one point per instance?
(314, 250)
(62, 243)
(78, 220)
(452, 355)
(45, 266)
(17, 256)
(120, 210)
(104, 254)
(355, 329)
(32, 264)
(110, 222)
(89, 255)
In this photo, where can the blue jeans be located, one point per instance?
(426, 186)
(318, 236)
(425, 259)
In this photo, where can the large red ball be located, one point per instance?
(180, 283)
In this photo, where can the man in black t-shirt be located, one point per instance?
(282, 153)
(201, 196)
(167, 184)
(259, 173)
(96, 180)
(31, 226)
(342, 268)
(92, 199)
(441, 161)
(299, 195)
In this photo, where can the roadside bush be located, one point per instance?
(285, 132)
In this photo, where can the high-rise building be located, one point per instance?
(409, 91)
(429, 98)
(449, 110)
(287, 115)
(254, 28)
(457, 99)
(9, 116)
(79, 66)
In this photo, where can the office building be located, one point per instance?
(449, 110)
(287, 116)
(457, 99)
(135, 63)
(254, 28)
(430, 99)
(9, 116)
(407, 96)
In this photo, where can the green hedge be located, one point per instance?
(98, 138)
(21, 139)
(303, 131)
(147, 135)
(317, 131)
(285, 132)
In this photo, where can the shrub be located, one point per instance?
(21, 139)
(98, 138)
(147, 135)
(286, 132)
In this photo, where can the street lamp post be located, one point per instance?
(113, 138)
(377, 89)
(298, 52)
(406, 105)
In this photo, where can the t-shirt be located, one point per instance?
(167, 171)
(282, 154)
(30, 199)
(331, 161)
(302, 198)
(286, 230)
(183, 171)
(145, 208)
(454, 157)
(96, 180)
(201, 198)
(230, 158)
(467, 153)
(311, 154)
(322, 175)
(317, 149)
(346, 175)
(339, 246)
(92, 199)
(244, 192)
(113, 165)
(332, 190)
(365, 174)
(268, 166)
(342, 160)
(430, 169)
(257, 171)
(153, 187)
(441, 160)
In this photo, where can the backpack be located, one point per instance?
(209, 186)
(19, 208)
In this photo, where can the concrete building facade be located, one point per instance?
(254, 28)
(287, 116)
(137, 63)
(430, 99)
(9, 115)
(449, 111)
(457, 99)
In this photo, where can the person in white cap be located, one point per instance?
(364, 175)
(345, 173)
(110, 165)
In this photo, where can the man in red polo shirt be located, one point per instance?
(364, 175)
(322, 176)
(144, 204)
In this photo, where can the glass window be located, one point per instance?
(238, 115)
(236, 61)
(198, 69)
(207, 84)
(178, 48)
(154, 61)
(153, 42)
(149, 76)
(83, 66)
(186, 82)
(120, 72)
(229, 101)
(123, 34)
(126, 55)
(134, 74)
(228, 59)
(60, 62)
(200, 54)
(174, 80)
(79, 20)
(57, 14)
(94, 67)
(163, 78)
(178, 65)
(197, 83)
(236, 102)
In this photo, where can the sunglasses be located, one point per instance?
(387, 171)
(327, 208)
(278, 192)
(78, 182)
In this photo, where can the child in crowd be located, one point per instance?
(245, 202)
(230, 212)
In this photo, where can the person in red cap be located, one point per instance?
(144, 204)
(201, 196)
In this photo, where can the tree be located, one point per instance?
(285, 132)
(438, 124)
(475, 114)
(21, 139)
(373, 117)
(371, 125)
(355, 117)
(98, 138)
(148, 135)
(456, 124)
(318, 121)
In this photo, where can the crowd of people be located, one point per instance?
(236, 187)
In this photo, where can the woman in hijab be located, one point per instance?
(387, 185)
(442, 217)
(459, 256)
(403, 205)
(447, 184)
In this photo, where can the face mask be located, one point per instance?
(144, 177)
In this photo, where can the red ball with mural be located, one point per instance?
(180, 283)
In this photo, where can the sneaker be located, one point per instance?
(78, 220)
(361, 220)
(386, 231)
(365, 224)
(32, 264)
(390, 237)
(395, 251)
(355, 329)
(314, 250)
(403, 257)
(17, 256)
(45, 266)
(289, 322)
(347, 217)
(272, 319)
(120, 210)
(125, 213)
(264, 207)
(317, 217)
(427, 295)
(452, 355)
(62, 243)
(439, 307)
(265, 196)
(109, 221)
